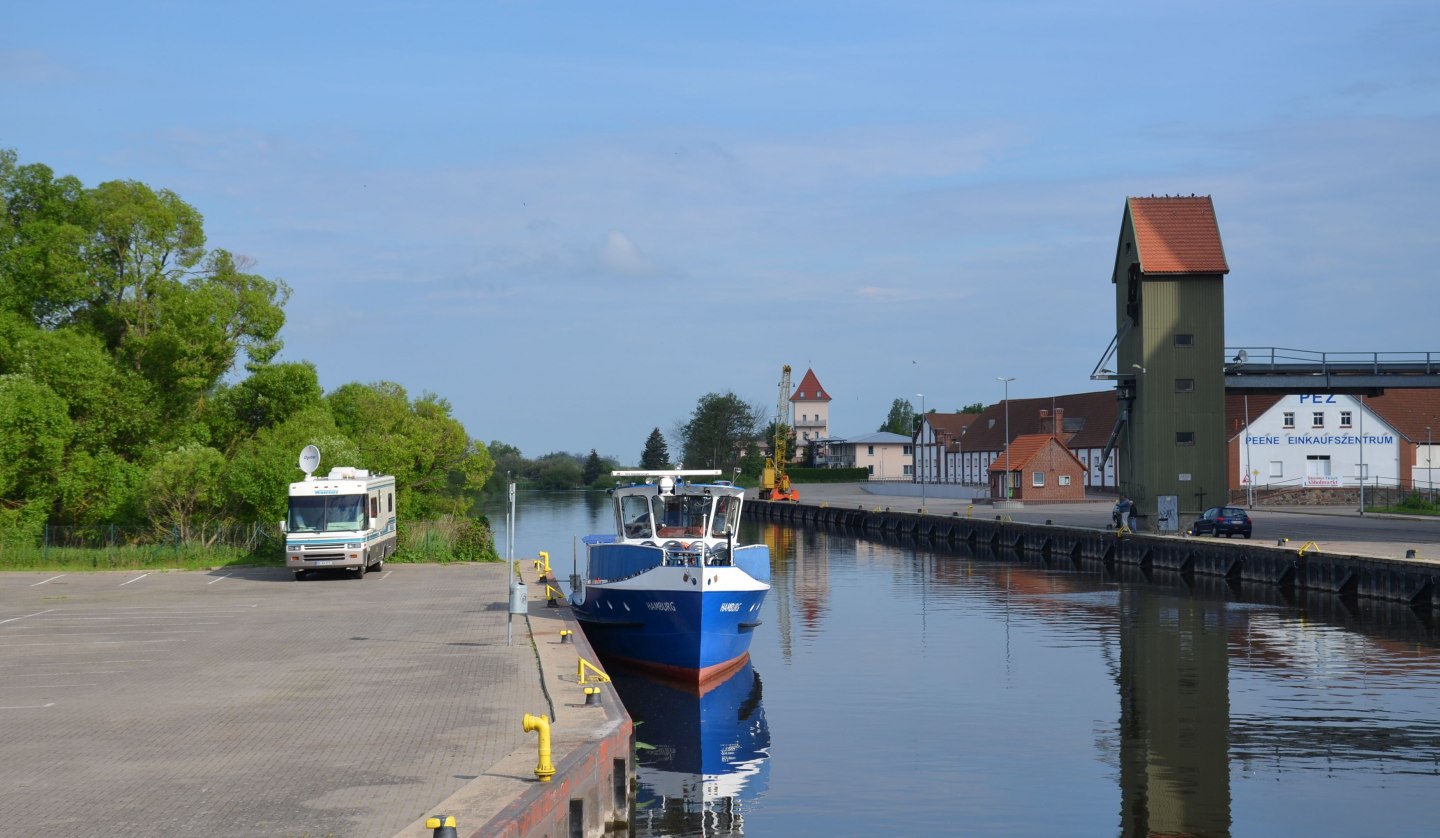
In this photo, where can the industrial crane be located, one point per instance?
(774, 482)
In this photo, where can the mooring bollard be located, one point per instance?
(565, 635)
(1409, 554)
(444, 826)
(592, 696)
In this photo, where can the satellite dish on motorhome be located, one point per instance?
(309, 459)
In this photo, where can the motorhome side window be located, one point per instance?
(375, 507)
(635, 517)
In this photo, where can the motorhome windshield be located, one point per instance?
(327, 513)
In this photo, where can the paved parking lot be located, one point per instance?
(241, 702)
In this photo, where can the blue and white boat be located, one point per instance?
(671, 591)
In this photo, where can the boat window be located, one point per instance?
(727, 516)
(681, 515)
(635, 516)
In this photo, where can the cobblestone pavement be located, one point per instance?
(243, 703)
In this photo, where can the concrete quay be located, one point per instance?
(1340, 552)
(240, 702)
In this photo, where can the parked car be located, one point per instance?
(1222, 520)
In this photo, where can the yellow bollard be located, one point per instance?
(444, 826)
(544, 770)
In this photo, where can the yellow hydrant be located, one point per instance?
(544, 770)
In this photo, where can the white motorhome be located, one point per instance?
(344, 520)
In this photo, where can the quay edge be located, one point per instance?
(592, 750)
(1286, 566)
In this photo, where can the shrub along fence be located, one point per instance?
(114, 547)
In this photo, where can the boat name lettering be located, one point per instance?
(660, 606)
(729, 606)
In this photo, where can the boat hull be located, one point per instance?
(663, 620)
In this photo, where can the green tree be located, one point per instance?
(901, 419)
(559, 470)
(43, 230)
(977, 407)
(594, 469)
(426, 450)
(182, 491)
(656, 456)
(34, 432)
(257, 478)
(270, 395)
(719, 431)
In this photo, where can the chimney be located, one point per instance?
(1046, 425)
(1059, 424)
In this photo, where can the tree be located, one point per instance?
(182, 491)
(901, 418)
(34, 432)
(558, 470)
(720, 430)
(594, 469)
(977, 407)
(426, 450)
(656, 456)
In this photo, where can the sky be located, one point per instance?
(572, 220)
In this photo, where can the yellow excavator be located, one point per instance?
(774, 482)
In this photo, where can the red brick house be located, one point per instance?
(1041, 469)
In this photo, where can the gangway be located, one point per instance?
(1281, 371)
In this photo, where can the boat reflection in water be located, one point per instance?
(703, 758)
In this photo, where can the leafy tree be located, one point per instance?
(594, 469)
(977, 407)
(509, 463)
(34, 431)
(263, 466)
(559, 471)
(182, 491)
(901, 419)
(272, 394)
(42, 232)
(425, 449)
(656, 456)
(719, 431)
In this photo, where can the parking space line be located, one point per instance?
(24, 616)
(51, 579)
(213, 581)
(136, 579)
(41, 686)
(30, 706)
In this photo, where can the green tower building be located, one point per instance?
(1170, 355)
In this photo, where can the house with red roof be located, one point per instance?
(1037, 467)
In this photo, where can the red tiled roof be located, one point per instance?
(1177, 235)
(809, 389)
(1024, 449)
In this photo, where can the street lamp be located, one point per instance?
(1007, 430)
(961, 443)
(921, 448)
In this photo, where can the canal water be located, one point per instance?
(900, 689)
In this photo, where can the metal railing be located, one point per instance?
(1270, 359)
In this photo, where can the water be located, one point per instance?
(896, 690)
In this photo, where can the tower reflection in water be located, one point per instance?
(703, 758)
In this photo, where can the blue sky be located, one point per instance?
(572, 220)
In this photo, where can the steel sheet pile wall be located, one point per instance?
(1286, 567)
